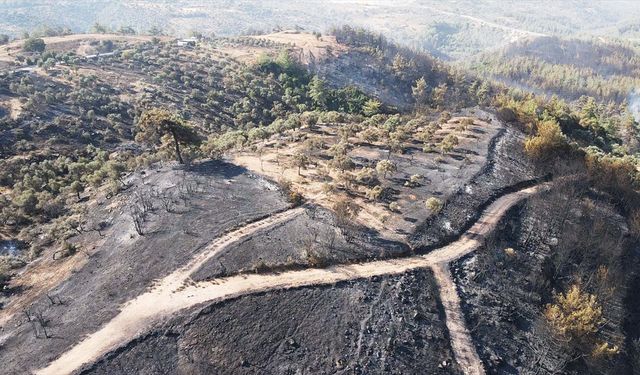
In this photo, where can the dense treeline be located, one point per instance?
(594, 122)
(608, 71)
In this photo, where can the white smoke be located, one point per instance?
(634, 103)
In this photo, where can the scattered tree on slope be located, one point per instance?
(155, 125)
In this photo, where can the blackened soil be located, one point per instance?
(221, 197)
(390, 325)
(312, 239)
(506, 170)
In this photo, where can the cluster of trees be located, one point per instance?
(604, 139)
(169, 134)
(225, 95)
(39, 191)
(451, 38)
(392, 132)
(587, 122)
(34, 45)
(85, 110)
(98, 28)
(566, 80)
(547, 141)
(235, 104)
(222, 95)
(252, 41)
(619, 176)
(224, 105)
(578, 315)
(47, 31)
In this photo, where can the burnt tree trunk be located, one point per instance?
(177, 146)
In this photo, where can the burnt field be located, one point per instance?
(391, 325)
(537, 243)
(122, 264)
(506, 169)
(297, 203)
(311, 239)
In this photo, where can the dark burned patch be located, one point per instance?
(504, 293)
(126, 264)
(464, 151)
(311, 239)
(217, 168)
(362, 162)
(391, 324)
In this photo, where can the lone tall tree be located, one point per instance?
(157, 123)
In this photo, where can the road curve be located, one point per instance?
(178, 292)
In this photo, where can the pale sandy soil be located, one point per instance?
(304, 46)
(308, 46)
(15, 106)
(461, 341)
(78, 43)
(243, 54)
(442, 175)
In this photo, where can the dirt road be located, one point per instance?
(461, 343)
(516, 32)
(178, 292)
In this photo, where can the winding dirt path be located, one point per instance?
(178, 292)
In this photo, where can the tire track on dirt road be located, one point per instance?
(172, 294)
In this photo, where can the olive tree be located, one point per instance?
(34, 45)
(384, 167)
(300, 160)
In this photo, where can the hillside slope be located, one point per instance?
(570, 68)
(295, 202)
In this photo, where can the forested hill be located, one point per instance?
(57, 106)
(604, 69)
